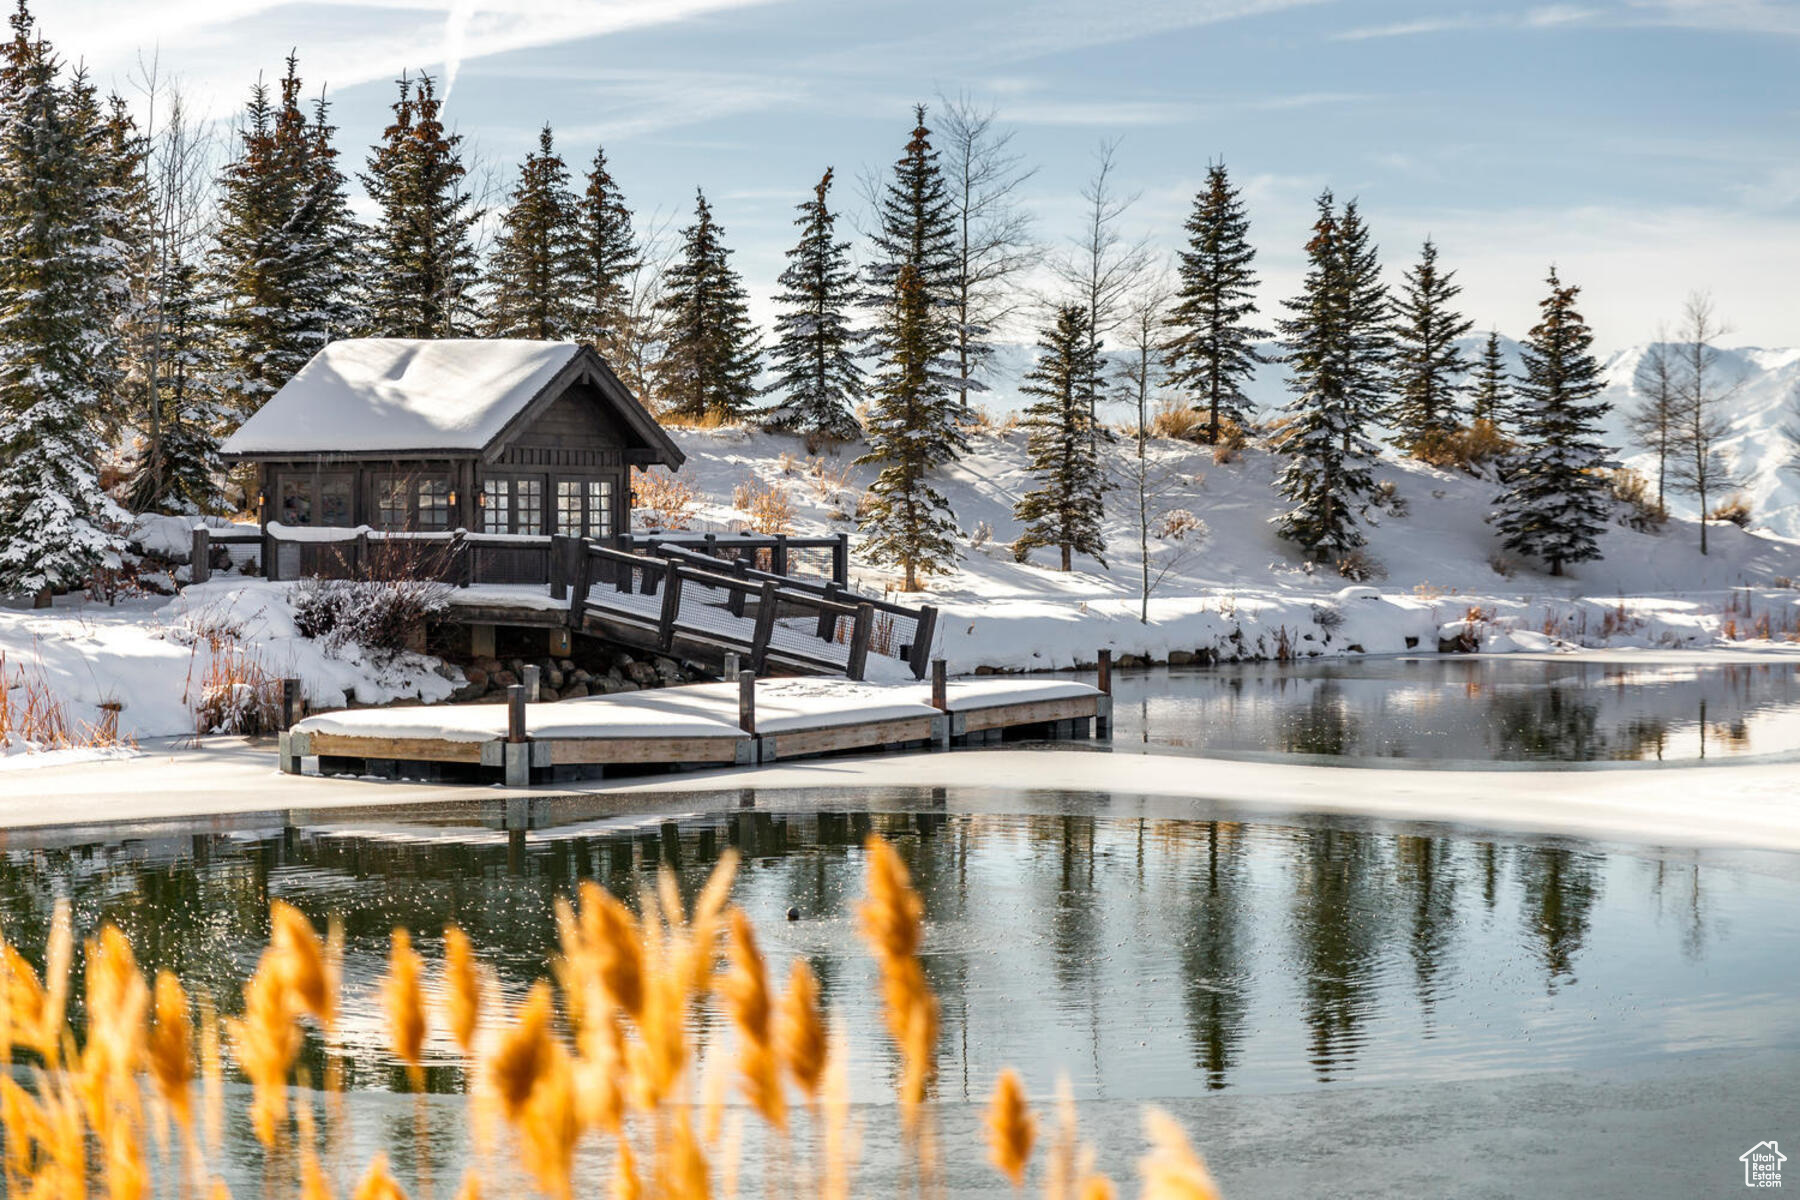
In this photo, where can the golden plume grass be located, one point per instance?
(633, 990)
(1010, 1127)
(403, 997)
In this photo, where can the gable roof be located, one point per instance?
(363, 396)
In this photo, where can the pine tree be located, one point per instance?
(609, 259)
(420, 281)
(1366, 351)
(815, 370)
(1212, 348)
(1555, 504)
(1491, 396)
(1065, 508)
(178, 470)
(914, 427)
(709, 369)
(1327, 478)
(1429, 365)
(282, 260)
(60, 280)
(535, 273)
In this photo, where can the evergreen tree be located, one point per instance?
(815, 369)
(1212, 352)
(1327, 478)
(1491, 397)
(60, 279)
(422, 272)
(1429, 365)
(1065, 508)
(1366, 351)
(1555, 504)
(609, 259)
(282, 260)
(535, 273)
(915, 422)
(709, 369)
(178, 470)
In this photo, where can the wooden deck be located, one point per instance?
(739, 723)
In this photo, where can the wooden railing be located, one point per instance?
(784, 552)
(763, 615)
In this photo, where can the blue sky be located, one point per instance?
(1648, 147)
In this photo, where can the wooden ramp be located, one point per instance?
(701, 725)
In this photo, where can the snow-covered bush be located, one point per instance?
(236, 695)
(381, 616)
(1359, 567)
(1327, 616)
(1388, 499)
(1180, 525)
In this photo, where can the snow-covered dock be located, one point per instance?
(708, 724)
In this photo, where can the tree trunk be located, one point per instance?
(1067, 557)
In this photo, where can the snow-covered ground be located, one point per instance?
(1239, 591)
(150, 656)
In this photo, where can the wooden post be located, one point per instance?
(1106, 672)
(290, 703)
(765, 626)
(671, 606)
(270, 555)
(924, 633)
(359, 554)
(828, 618)
(840, 561)
(733, 664)
(778, 557)
(940, 685)
(747, 702)
(559, 566)
(859, 641)
(712, 545)
(200, 556)
(533, 682)
(739, 570)
(515, 713)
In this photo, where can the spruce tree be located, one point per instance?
(282, 262)
(1366, 351)
(1429, 366)
(422, 270)
(816, 373)
(535, 274)
(1327, 478)
(915, 422)
(1211, 351)
(609, 259)
(1555, 504)
(1064, 509)
(1491, 396)
(709, 369)
(178, 470)
(60, 278)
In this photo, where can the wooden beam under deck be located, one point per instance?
(862, 735)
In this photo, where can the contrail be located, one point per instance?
(456, 29)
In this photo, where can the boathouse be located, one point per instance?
(496, 436)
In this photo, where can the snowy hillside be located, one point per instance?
(1240, 589)
(1757, 452)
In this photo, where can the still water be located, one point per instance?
(1143, 957)
(1449, 708)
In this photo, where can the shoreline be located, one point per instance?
(1740, 806)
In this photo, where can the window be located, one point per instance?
(315, 499)
(393, 508)
(296, 502)
(528, 499)
(496, 506)
(336, 503)
(568, 507)
(434, 504)
(600, 508)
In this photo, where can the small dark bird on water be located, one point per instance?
(793, 914)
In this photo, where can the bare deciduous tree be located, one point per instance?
(1701, 395)
(983, 175)
(1652, 422)
(1103, 266)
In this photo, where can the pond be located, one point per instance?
(1450, 708)
(1243, 973)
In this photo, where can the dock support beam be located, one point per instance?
(1103, 709)
(518, 749)
(292, 701)
(200, 556)
(940, 700)
(481, 641)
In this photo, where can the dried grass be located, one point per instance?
(621, 1069)
(663, 500)
(770, 507)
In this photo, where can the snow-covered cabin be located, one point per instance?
(492, 435)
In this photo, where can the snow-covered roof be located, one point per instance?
(376, 395)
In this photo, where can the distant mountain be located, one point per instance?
(1757, 452)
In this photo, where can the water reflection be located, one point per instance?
(1449, 707)
(1145, 958)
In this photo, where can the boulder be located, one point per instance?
(642, 674)
(478, 678)
(1181, 658)
(555, 678)
(503, 679)
(575, 690)
(565, 665)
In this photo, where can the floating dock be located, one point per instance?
(738, 723)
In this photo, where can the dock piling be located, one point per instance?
(200, 556)
(733, 664)
(747, 702)
(291, 698)
(1105, 680)
(533, 682)
(1103, 709)
(940, 685)
(518, 749)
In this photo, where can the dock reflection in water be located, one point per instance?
(1144, 958)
